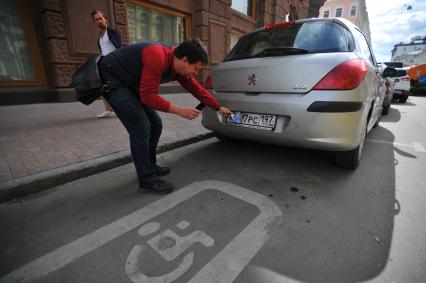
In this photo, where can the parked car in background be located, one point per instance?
(394, 64)
(389, 90)
(311, 83)
(390, 85)
(402, 85)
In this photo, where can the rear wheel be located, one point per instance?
(385, 110)
(403, 99)
(350, 159)
(378, 120)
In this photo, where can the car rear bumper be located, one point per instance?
(401, 91)
(296, 126)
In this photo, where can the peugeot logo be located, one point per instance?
(252, 79)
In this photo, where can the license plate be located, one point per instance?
(252, 120)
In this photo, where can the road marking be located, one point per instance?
(415, 145)
(224, 267)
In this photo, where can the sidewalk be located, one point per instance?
(45, 145)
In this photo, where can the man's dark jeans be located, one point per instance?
(143, 123)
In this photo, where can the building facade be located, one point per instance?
(314, 7)
(45, 41)
(413, 53)
(353, 10)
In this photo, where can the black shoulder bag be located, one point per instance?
(87, 82)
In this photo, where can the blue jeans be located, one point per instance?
(143, 123)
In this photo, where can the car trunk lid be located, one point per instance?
(282, 74)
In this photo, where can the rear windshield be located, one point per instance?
(401, 73)
(298, 38)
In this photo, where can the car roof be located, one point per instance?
(342, 21)
(403, 68)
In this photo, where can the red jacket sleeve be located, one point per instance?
(154, 65)
(199, 92)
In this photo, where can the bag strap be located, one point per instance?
(107, 88)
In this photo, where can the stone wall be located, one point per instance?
(70, 36)
(314, 6)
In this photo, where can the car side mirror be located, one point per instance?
(389, 72)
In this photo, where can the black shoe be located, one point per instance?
(162, 171)
(157, 187)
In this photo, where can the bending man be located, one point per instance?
(146, 65)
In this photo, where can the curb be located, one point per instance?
(45, 180)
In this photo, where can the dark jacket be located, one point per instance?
(147, 65)
(114, 36)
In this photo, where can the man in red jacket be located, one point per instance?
(147, 65)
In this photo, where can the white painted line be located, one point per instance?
(224, 267)
(415, 145)
(418, 147)
(393, 143)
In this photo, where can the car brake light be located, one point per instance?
(405, 78)
(345, 76)
(208, 82)
(280, 25)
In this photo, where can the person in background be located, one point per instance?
(146, 65)
(108, 40)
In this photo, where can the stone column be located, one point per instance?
(212, 24)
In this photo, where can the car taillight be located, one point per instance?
(345, 76)
(405, 78)
(208, 82)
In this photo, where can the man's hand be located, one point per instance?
(185, 112)
(225, 111)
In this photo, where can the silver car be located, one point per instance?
(311, 83)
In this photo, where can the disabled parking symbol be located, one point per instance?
(170, 243)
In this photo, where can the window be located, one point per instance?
(150, 23)
(310, 37)
(326, 14)
(366, 52)
(353, 10)
(401, 73)
(244, 6)
(19, 63)
(339, 12)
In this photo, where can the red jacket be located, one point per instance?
(156, 60)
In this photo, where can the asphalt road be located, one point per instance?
(242, 212)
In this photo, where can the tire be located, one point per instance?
(223, 138)
(378, 120)
(385, 110)
(350, 159)
(403, 99)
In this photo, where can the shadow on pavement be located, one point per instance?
(337, 224)
(393, 116)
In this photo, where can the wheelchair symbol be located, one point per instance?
(225, 266)
(169, 245)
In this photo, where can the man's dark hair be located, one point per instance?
(94, 12)
(194, 51)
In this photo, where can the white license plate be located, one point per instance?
(252, 120)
